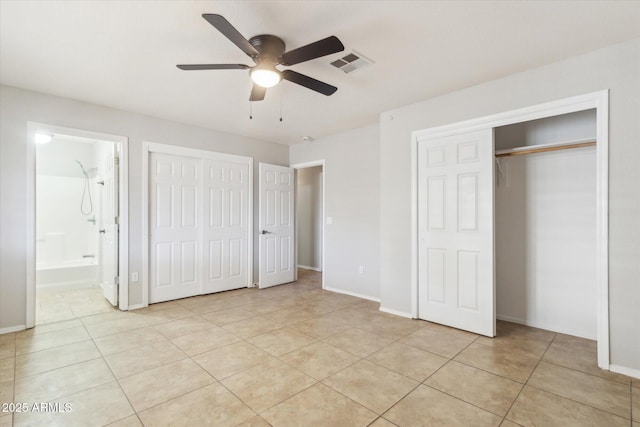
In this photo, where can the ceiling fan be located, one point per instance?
(268, 51)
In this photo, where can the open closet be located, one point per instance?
(545, 223)
(511, 220)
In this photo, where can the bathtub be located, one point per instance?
(72, 273)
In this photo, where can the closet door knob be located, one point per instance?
(265, 232)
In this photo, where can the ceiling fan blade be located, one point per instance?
(212, 66)
(311, 51)
(229, 31)
(308, 82)
(257, 93)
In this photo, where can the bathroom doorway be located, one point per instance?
(76, 226)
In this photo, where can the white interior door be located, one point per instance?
(276, 225)
(109, 229)
(456, 249)
(225, 225)
(174, 224)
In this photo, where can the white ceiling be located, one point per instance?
(123, 54)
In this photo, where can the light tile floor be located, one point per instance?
(295, 355)
(55, 304)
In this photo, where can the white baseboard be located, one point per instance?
(353, 294)
(547, 327)
(306, 267)
(630, 372)
(10, 329)
(136, 307)
(396, 312)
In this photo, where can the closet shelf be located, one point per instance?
(545, 147)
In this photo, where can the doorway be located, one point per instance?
(77, 196)
(310, 190)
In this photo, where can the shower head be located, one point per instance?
(91, 173)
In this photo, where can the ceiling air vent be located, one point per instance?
(352, 61)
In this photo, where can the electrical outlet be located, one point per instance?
(361, 269)
(134, 276)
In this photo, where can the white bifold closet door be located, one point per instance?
(198, 226)
(455, 231)
(225, 226)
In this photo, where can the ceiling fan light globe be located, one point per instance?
(265, 78)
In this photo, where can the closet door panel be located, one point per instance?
(455, 231)
(467, 202)
(226, 189)
(436, 210)
(436, 270)
(468, 285)
(174, 227)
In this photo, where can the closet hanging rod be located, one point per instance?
(532, 150)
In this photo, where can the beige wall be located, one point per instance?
(17, 107)
(616, 68)
(351, 200)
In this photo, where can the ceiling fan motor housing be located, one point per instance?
(268, 46)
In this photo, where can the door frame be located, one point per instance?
(149, 147)
(123, 242)
(596, 100)
(305, 165)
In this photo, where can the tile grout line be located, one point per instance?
(85, 389)
(102, 356)
(246, 340)
(317, 340)
(580, 403)
(317, 381)
(135, 411)
(219, 381)
(429, 376)
(116, 380)
(452, 359)
(294, 367)
(584, 373)
(527, 379)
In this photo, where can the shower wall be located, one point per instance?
(65, 238)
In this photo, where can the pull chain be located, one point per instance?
(281, 103)
(250, 110)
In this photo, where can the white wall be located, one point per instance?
(63, 233)
(58, 157)
(309, 217)
(351, 200)
(616, 68)
(17, 107)
(545, 206)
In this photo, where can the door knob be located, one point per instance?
(264, 232)
(102, 231)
